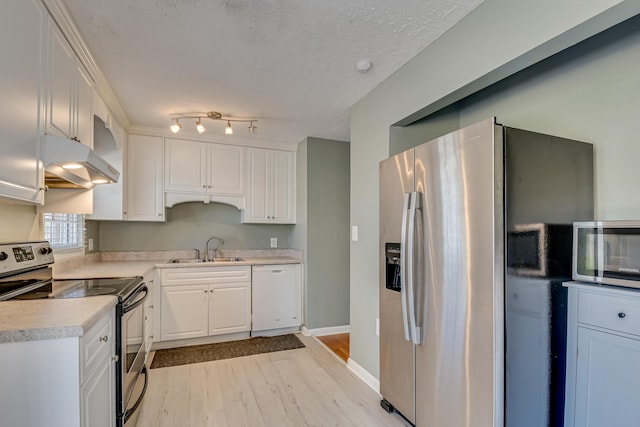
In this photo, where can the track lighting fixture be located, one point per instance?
(213, 115)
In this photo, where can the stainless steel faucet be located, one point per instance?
(206, 254)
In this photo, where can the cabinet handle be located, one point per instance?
(622, 315)
(104, 338)
(159, 214)
(204, 186)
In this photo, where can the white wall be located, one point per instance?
(497, 39)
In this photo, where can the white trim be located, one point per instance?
(331, 330)
(364, 375)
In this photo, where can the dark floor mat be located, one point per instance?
(224, 350)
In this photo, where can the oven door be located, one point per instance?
(131, 354)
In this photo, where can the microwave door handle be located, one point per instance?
(403, 267)
(600, 253)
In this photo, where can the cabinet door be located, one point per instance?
(226, 169)
(21, 109)
(84, 110)
(607, 380)
(62, 78)
(258, 185)
(97, 407)
(144, 179)
(229, 308)
(185, 166)
(184, 312)
(276, 295)
(283, 188)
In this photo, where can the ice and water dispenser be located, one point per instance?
(392, 257)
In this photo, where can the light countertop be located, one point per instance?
(45, 319)
(61, 318)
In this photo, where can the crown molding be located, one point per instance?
(67, 26)
(212, 137)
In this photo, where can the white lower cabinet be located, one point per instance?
(204, 301)
(98, 395)
(66, 382)
(277, 296)
(603, 354)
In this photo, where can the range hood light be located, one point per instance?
(72, 166)
(100, 181)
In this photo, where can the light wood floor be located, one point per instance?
(296, 388)
(338, 343)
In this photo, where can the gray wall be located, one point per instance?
(497, 39)
(323, 229)
(188, 226)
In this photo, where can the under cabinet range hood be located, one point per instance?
(71, 164)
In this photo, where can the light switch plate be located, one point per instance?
(274, 242)
(354, 233)
(90, 243)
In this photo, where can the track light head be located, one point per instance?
(175, 128)
(199, 126)
(228, 130)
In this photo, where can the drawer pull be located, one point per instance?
(115, 358)
(622, 315)
(104, 338)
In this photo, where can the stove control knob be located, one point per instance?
(3, 256)
(43, 251)
(49, 250)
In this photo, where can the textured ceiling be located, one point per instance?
(289, 63)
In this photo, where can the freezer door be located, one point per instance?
(397, 374)
(459, 365)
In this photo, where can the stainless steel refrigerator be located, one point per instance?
(473, 251)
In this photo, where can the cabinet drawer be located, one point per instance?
(619, 313)
(95, 343)
(205, 275)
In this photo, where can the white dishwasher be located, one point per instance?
(276, 297)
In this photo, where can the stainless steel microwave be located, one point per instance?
(607, 252)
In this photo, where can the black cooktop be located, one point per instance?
(80, 288)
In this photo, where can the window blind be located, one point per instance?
(64, 231)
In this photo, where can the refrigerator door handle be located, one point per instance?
(411, 286)
(404, 277)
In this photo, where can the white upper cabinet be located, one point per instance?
(270, 187)
(144, 179)
(69, 107)
(22, 106)
(199, 171)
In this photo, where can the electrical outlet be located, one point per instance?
(274, 242)
(90, 243)
(378, 326)
(354, 233)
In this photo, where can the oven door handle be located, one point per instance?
(134, 408)
(130, 306)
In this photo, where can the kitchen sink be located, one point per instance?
(185, 260)
(194, 260)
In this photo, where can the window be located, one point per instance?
(64, 231)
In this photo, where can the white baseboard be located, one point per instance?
(331, 330)
(364, 375)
